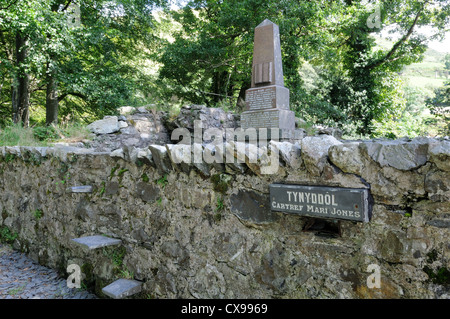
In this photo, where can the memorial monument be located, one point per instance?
(267, 101)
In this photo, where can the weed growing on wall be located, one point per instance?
(7, 236)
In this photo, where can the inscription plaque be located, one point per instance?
(268, 118)
(273, 96)
(260, 99)
(321, 202)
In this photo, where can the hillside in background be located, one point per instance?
(428, 74)
(420, 81)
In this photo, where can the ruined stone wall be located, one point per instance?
(207, 231)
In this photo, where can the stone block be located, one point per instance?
(439, 153)
(400, 154)
(437, 185)
(80, 189)
(147, 192)
(108, 125)
(252, 207)
(118, 153)
(122, 288)
(125, 110)
(180, 156)
(273, 96)
(347, 157)
(97, 241)
(161, 158)
(315, 152)
(268, 118)
(290, 153)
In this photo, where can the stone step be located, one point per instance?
(80, 189)
(122, 288)
(97, 241)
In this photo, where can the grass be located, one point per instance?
(17, 290)
(17, 135)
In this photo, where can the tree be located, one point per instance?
(210, 58)
(447, 62)
(88, 68)
(439, 106)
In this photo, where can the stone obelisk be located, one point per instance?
(267, 101)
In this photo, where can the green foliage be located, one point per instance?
(7, 236)
(447, 62)
(351, 82)
(432, 256)
(16, 134)
(121, 55)
(117, 255)
(95, 66)
(219, 209)
(221, 182)
(439, 106)
(122, 171)
(145, 178)
(162, 181)
(45, 133)
(102, 189)
(64, 179)
(219, 204)
(412, 119)
(9, 157)
(38, 213)
(441, 276)
(113, 171)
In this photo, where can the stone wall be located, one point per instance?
(207, 231)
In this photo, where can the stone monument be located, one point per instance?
(267, 101)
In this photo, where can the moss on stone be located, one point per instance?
(441, 276)
(122, 171)
(9, 157)
(87, 271)
(432, 256)
(221, 182)
(7, 236)
(145, 178)
(113, 171)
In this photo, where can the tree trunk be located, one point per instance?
(240, 102)
(21, 91)
(51, 101)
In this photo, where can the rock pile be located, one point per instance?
(135, 127)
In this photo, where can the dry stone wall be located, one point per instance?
(205, 230)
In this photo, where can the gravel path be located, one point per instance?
(22, 278)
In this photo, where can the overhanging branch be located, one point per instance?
(399, 43)
(63, 96)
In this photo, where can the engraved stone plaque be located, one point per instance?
(321, 201)
(269, 118)
(273, 96)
